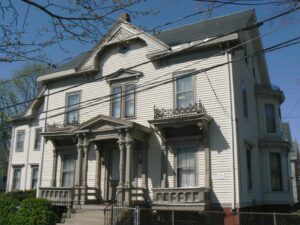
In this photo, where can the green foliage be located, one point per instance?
(21, 195)
(35, 211)
(8, 209)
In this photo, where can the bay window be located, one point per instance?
(270, 118)
(186, 167)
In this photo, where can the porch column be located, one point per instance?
(120, 188)
(204, 127)
(144, 165)
(85, 147)
(54, 166)
(164, 165)
(78, 171)
(98, 167)
(128, 176)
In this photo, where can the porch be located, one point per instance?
(114, 150)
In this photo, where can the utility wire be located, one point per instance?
(281, 45)
(150, 30)
(189, 65)
(249, 27)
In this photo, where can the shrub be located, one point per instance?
(21, 195)
(35, 211)
(8, 209)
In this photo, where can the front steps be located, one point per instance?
(86, 215)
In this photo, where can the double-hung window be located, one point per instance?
(16, 178)
(184, 89)
(34, 177)
(20, 140)
(186, 168)
(38, 139)
(123, 101)
(270, 118)
(68, 171)
(276, 175)
(73, 105)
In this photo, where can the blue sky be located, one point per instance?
(284, 65)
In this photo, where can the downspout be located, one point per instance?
(10, 159)
(44, 143)
(27, 156)
(233, 121)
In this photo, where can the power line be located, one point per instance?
(248, 3)
(249, 27)
(151, 29)
(145, 84)
(281, 45)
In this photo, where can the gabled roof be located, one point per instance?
(206, 29)
(198, 31)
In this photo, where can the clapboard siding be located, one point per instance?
(219, 91)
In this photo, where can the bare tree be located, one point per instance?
(28, 26)
(22, 87)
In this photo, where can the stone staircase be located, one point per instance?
(86, 215)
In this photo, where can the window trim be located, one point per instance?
(35, 136)
(179, 74)
(123, 102)
(16, 147)
(265, 118)
(67, 106)
(37, 179)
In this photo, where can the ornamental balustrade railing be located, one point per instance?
(270, 87)
(62, 126)
(195, 109)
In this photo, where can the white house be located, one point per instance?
(179, 120)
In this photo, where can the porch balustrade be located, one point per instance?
(62, 196)
(180, 196)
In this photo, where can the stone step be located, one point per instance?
(87, 215)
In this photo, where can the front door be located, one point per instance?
(114, 174)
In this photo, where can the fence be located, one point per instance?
(146, 216)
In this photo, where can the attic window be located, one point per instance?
(123, 49)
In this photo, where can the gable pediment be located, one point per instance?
(102, 122)
(122, 32)
(123, 74)
(120, 35)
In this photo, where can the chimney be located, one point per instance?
(125, 16)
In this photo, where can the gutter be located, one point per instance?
(233, 121)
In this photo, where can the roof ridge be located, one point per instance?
(206, 20)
